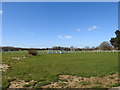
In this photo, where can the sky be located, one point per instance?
(0, 23)
(47, 24)
(60, 0)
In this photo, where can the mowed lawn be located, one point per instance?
(47, 67)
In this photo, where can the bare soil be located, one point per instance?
(4, 67)
(19, 83)
(69, 81)
(18, 58)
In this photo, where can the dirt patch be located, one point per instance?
(17, 84)
(20, 83)
(18, 58)
(115, 88)
(69, 81)
(4, 67)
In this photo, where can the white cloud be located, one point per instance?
(1, 11)
(60, 37)
(78, 30)
(92, 28)
(65, 37)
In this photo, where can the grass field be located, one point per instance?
(47, 67)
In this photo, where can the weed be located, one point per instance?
(111, 73)
(98, 82)
(30, 85)
(44, 83)
(84, 83)
(111, 77)
(11, 79)
(115, 85)
(64, 80)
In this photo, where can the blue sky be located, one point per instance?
(65, 24)
(0, 23)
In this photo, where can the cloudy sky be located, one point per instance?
(65, 24)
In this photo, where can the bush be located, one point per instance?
(32, 52)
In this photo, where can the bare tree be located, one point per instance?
(86, 47)
(105, 46)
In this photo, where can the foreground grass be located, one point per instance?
(47, 67)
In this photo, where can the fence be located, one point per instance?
(92, 51)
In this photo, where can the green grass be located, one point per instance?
(6, 56)
(47, 67)
(115, 85)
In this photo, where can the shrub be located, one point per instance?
(32, 52)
